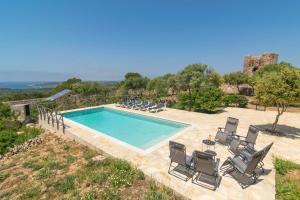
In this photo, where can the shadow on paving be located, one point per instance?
(281, 130)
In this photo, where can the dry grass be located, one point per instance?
(59, 169)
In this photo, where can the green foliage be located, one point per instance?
(272, 68)
(44, 173)
(192, 79)
(32, 192)
(33, 164)
(134, 81)
(235, 100)
(110, 172)
(14, 95)
(68, 84)
(283, 166)
(287, 186)
(9, 124)
(159, 86)
(5, 111)
(91, 195)
(9, 138)
(70, 159)
(155, 195)
(65, 184)
(3, 176)
(184, 100)
(208, 99)
(156, 192)
(278, 86)
(110, 194)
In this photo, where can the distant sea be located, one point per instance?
(27, 85)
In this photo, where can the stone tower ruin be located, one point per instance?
(253, 63)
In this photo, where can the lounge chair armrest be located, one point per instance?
(217, 164)
(221, 129)
(238, 136)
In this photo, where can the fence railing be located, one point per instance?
(51, 117)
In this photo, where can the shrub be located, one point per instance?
(5, 111)
(8, 124)
(235, 100)
(208, 99)
(28, 133)
(9, 138)
(183, 101)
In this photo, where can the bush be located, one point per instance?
(7, 124)
(235, 100)
(9, 138)
(5, 111)
(183, 101)
(208, 99)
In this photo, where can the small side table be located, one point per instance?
(208, 144)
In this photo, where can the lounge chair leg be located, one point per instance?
(169, 170)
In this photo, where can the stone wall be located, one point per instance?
(253, 63)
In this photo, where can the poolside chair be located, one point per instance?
(248, 141)
(251, 137)
(243, 167)
(147, 107)
(178, 156)
(159, 107)
(125, 104)
(138, 105)
(247, 154)
(224, 135)
(131, 103)
(206, 170)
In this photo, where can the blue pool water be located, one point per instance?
(138, 130)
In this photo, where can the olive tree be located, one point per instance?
(279, 87)
(193, 79)
(135, 82)
(159, 86)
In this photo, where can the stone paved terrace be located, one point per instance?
(156, 163)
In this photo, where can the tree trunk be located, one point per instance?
(190, 99)
(281, 108)
(238, 89)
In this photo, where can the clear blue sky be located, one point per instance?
(102, 40)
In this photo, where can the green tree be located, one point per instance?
(68, 84)
(173, 84)
(278, 87)
(209, 99)
(135, 82)
(159, 86)
(236, 79)
(192, 79)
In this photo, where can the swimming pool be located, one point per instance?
(140, 131)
